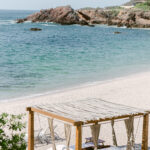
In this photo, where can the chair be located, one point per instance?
(44, 134)
(90, 140)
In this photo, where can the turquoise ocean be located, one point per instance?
(61, 57)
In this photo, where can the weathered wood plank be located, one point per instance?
(113, 118)
(31, 131)
(78, 137)
(88, 110)
(145, 132)
(49, 114)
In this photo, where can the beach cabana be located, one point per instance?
(90, 112)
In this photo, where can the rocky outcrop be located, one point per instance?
(129, 18)
(65, 15)
(117, 32)
(35, 29)
(21, 20)
(136, 19)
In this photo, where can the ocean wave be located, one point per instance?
(27, 22)
(49, 24)
(123, 27)
(7, 22)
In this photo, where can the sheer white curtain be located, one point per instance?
(95, 130)
(113, 134)
(51, 127)
(129, 123)
(67, 129)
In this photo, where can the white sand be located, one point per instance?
(133, 90)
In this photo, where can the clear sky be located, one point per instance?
(43, 4)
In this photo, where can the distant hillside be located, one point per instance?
(133, 2)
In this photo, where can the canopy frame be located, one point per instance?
(79, 124)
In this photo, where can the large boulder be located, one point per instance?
(145, 15)
(142, 23)
(63, 15)
(99, 16)
(21, 20)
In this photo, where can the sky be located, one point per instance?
(44, 4)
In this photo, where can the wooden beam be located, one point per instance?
(76, 123)
(49, 114)
(31, 131)
(145, 132)
(113, 118)
(78, 137)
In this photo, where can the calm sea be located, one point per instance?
(64, 56)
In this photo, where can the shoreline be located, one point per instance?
(79, 88)
(132, 90)
(73, 87)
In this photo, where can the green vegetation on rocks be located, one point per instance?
(144, 6)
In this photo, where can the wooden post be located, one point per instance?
(31, 130)
(145, 132)
(78, 137)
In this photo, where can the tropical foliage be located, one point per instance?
(12, 136)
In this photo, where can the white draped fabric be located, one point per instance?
(113, 133)
(67, 128)
(95, 130)
(129, 123)
(51, 127)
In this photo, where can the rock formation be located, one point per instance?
(35, 29)
(117, 32)
(65, 15)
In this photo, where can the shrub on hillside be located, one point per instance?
(144, 6)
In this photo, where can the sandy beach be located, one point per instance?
(132, 90)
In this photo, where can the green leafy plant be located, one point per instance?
(144, 6)
(148, 3)
(12, 136)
